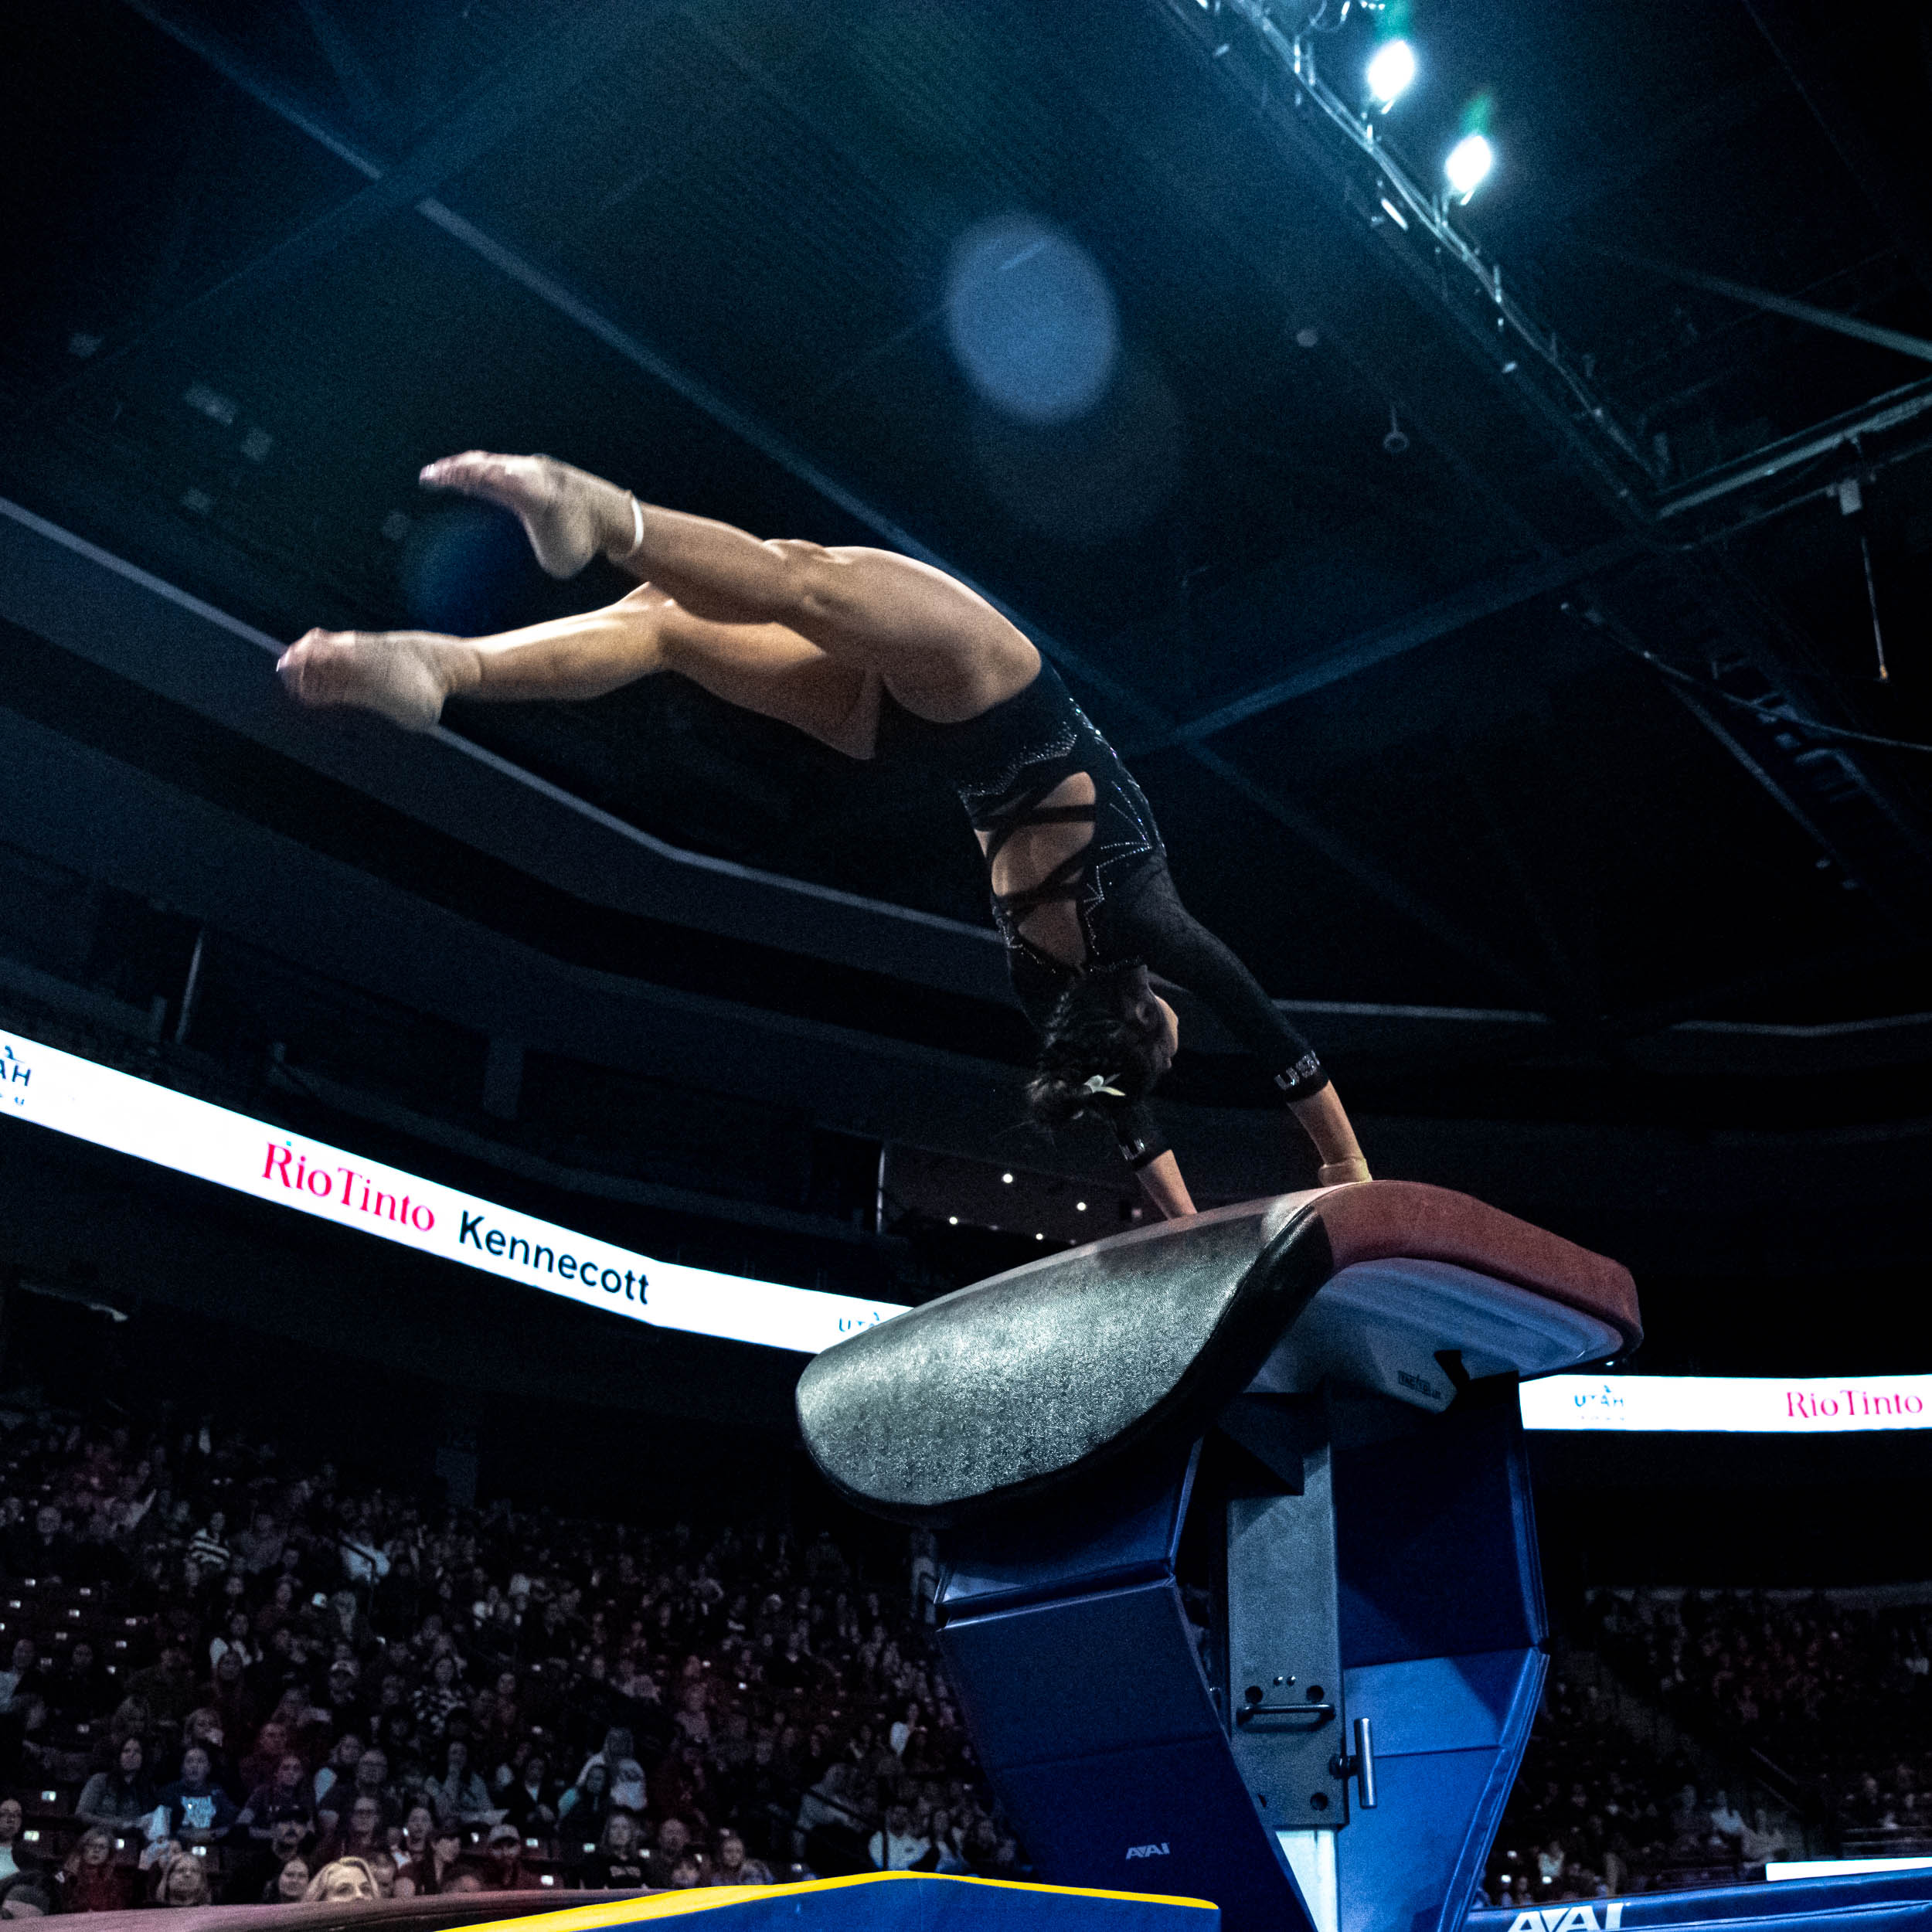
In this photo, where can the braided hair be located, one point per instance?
(1097, 1053)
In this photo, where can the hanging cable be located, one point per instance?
(1871, 598)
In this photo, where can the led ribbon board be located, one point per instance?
(1754, 1405)
(114, 1110)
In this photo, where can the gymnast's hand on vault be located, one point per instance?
(1334, 1173)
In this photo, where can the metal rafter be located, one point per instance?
(1804, 58)
(1443, 618)
(481, 123)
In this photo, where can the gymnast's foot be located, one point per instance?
(568, 514)
(404, 675)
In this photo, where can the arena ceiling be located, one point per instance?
(1355, 545)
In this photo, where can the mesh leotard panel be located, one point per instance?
(1003, 764)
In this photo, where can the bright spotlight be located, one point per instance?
(1390, 71)
(1469, 163)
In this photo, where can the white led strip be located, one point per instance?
(1753, 1404)
(114, 1110)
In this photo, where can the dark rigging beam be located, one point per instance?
(1442, 619)
(1813, 71)
(245, 74)
(477, 125)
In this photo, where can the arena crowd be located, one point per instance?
(232, 1678)
(1836, 1695)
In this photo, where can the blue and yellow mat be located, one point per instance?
(893, 1901)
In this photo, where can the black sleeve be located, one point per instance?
(1177, 947)
(1141, 1141)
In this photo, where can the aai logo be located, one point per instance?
(1147, 1852)
(1570, 1918)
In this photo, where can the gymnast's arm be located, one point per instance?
(1161, 1182)
(1177, 945)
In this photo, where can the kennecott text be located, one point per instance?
(541, 1260)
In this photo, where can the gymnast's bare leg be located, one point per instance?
(940, 648)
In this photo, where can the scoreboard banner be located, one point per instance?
(76, 1097)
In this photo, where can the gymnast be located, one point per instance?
(879, 655)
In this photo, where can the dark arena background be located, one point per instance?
(1473, 461)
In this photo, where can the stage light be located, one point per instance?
(1007, 1178)
(952, 1220)
(1469, 163)
(1079, 1207)
(1390, 71)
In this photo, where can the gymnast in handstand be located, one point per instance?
(880, 655)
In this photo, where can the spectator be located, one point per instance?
(529, 1802)
(89, 1881)
(439, 1697)
(290, 1886)
(202, 1726)
(271, 1746)
(258, 1548)
(583, 1809)
(198, 1809)
(619, 1864)
(436, 1874)
(167, 1688)
(898, 1847)
(15, 1679)
(733, 1867)
(25, 1897)
(45, 1552)
(627, 1792)
(340, 1771)
(254, 1878)
(673, 1843)
(15, 1857)
(460, 1796)
(287, 1792)
(503, 1862)
(238, 1635)
(949, 1857)
(372, 1779)
(208, 1548)
(79, 1688)
(344, 1881)
(359, 1832)
(419, 1824)
(182, 1881)
(113, 1800)
(227, 1693)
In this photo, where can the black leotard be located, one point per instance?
(1003, 764)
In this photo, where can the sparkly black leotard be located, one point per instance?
(1003, 764)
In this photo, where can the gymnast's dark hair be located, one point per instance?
(1093, 1029)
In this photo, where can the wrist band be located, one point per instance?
(637, 524)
